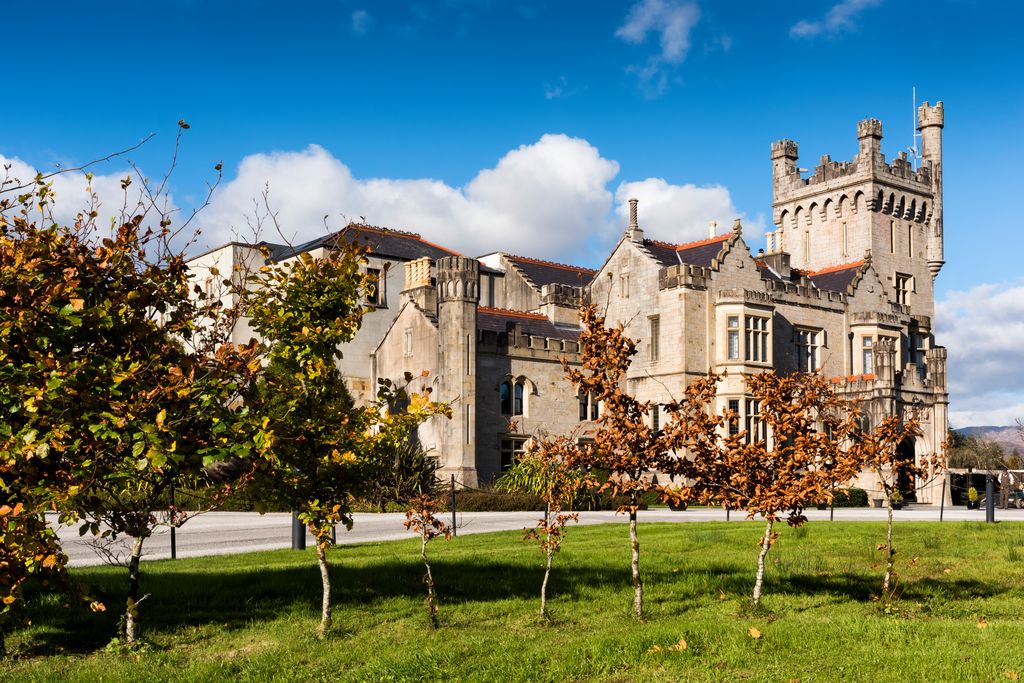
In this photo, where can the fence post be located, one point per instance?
(174, 540)
(298, 533)
(727, 513)
(454, 525)
(990, 499)
(942, 501)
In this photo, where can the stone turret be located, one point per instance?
(930, 121)
(869, 134)
(458, 294)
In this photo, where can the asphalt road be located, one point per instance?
(224, 533)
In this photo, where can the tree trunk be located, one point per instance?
(131, 615)
(429, 580)
(325, 579)
(891, 554)
(766, 544)
(638, 586)
(544, 586)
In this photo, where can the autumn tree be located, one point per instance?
(546, 470)
(420, 518)
(115, 376)
(792, 455)
(625, 445)
(318, 450)
(878, 449)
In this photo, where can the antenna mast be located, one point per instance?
(914, 150)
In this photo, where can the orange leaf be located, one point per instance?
(982, 623)
(754, 633)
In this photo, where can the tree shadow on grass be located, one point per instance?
(235, 598)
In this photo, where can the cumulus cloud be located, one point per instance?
(672, 21)
(72, 192)
(982, 328)
(361, 21)
(550, 199)
(681, 213)
(840, 17)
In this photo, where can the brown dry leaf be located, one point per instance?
(982, 623)
(947, 571)
(794, 680)
(754, 633)
(77, 304)
(680, 646)
(721, 595)
(655, 648)
(881, 546)
(1012, 675)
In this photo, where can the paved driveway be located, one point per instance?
(222, 533)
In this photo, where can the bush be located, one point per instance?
(851, 498)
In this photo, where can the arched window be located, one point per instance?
(588, 406)
(512, 395)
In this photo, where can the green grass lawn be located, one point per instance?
(251, 617)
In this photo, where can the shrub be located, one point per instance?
(851, 498)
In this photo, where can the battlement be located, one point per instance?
(684, 275)
(562, 295)
(869, 128)
(784, 149)
(804, 293)
(520, 344)
(930, 115)
(458, 279)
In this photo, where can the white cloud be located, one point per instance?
(982, 329)
(361, 21)
(840, 17)
(681, 213)
(72, 192)
(672, 21)
(551, 199)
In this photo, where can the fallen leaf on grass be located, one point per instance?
(982, 623)
(1012, 675)
(947, 571)
(721, 595)
(655, 648)
(881, 546)
(680, 646)
(754, 633)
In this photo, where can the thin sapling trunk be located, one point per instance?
(428, 579)
(766, 544)
(131, 614)
(550, 552)
(638, 586)
(890, 554)
(325, 578)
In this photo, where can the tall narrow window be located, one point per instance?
(869, 365)
(517, 398)
(469, 348)
(408, 341)
(910, 239)
(469, 423)
(807, 350)
(655, 419)
(654, 323)
(376, 294)
(904, 285)
(734, 416)
(505, 395)
(624, 285)
(752, 421)
(807, 246)
(892, 237)
(734, 337)
(846, 241)
(757, 339)
(584, 400)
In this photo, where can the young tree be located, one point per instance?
(317, 449)
(878, 450)
(546, 470)
(792, 456)
(115, 378)
(420, 519)
(625, 444)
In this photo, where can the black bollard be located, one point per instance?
(298, 533)
(942, 501)
(174, 540)
(454, 526)
(990, 499)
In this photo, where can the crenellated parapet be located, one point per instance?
(684, 275)
(516, 343)
(562, 295)
(458, 279)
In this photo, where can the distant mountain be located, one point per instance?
(1007, 437)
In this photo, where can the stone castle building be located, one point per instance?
(845, 288)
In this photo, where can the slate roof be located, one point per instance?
(542, 273)
(396, 244)
(534, 324)
(700, 253)
(836, 278)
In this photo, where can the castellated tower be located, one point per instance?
(846, 209)
(458, 293)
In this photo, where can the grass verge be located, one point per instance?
(252, 617)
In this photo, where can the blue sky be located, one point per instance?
(523, 125)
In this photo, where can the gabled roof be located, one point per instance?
(836, 278)
(541, 273)
(396, 244)
(502, 320)
(700, 253)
